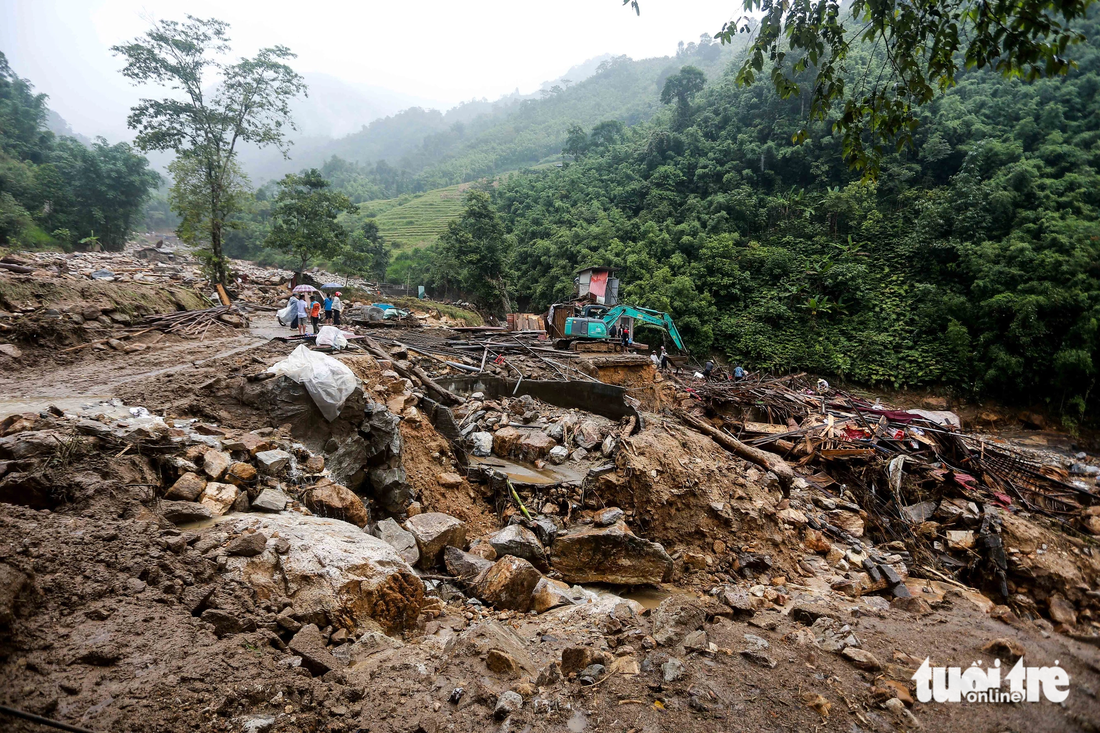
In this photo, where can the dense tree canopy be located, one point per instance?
(970, 263)
(58, 191)
(304, 218)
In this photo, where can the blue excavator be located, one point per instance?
(600, 328)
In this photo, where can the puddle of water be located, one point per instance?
(196, 526)
(523, 473)
(38, 404)
(648, 596)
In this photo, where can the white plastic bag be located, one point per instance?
(328, 381)
(286, 315)
(331, 336)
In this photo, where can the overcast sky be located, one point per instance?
(440, 51)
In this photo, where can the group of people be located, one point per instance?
(738, 374)
(314, 311)
(659, 359)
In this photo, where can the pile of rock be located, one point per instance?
(506, 568)
(527, 430)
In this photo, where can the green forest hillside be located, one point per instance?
(419, 150)
(973, 262)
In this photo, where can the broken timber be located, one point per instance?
(769, 461)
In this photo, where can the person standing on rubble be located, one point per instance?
(328, 309)
(315, 314)
(664, 359)
(337, 309)
(738, 373)
(301, 317)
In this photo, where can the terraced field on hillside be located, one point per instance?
(410, 222)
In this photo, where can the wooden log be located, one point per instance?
(445, 396)
(769, 461)
(222, 295)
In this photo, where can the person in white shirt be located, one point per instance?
(302, 318)
(337, 309)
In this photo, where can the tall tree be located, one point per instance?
(366, 253)
(475, 251)
(249, 103)
(304, 216)
(681, 88)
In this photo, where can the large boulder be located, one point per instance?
(676, 617)
(433, 532)
(184, 512)
(399, 539)
(519, 541)
(333, 573)
(218, 498)
(506, 441)
(609, 555)
(508, 584)
(336, 502)
(188, 487)
(535, 445)
(464, 565)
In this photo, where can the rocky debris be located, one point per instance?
(675, 618)
(758, 657)
(218, 498)
(550, 593)
(272, 462)
(187, 487)
(464, 565)
(310, 646)
(184, 512)
(609, 555)
(508, 584)
(672, 670)
(337, 502)
(249, 443)
(502, 663)
(399, 539)
(332, 573)
(521, 542)
(507, 704)
(481, 444)
(241, 474)
(270, 500)
(215, 463)
(861, 659)
(227, 622)
(558, 454)
(609, 516)
(450, 480)
(247, 545)
(434, 531)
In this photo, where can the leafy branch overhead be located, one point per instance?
(920, 48)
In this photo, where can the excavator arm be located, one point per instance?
(645, 315)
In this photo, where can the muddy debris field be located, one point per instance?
(207, 524)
